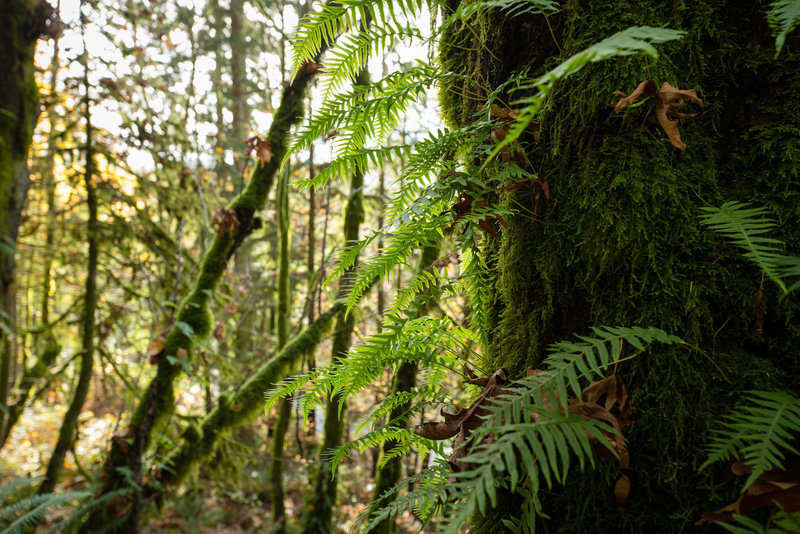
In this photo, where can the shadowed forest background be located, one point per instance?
(447, 266)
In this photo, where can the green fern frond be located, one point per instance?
(419, 340)
(11, 490)
(431, 489)
(433, 394)
(780, 523)
(358, 161)
(529, 451)
(745, 227)
(404, 241)
(760, 432)
(353, 50)
(632, 41)
(783, 16)
(567, 363)
(512, 8)
(33, 510)
(402, 441)
(335, 18)
(366, 112)
(91, 504)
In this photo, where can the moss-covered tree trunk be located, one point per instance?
(619, 242)
(22, 22)
(69, 425)
(194, 321)
(285, 404)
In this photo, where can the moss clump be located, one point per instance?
(620, 242)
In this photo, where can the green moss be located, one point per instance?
(620, 242)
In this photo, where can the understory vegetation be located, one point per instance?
(568, 306)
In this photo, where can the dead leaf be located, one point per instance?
(225, 221)
(261, 148)
(668, 100)
(644, 90)
(607, 393)
(622, 490)
(154, 349)
(777, 486)
(467, 419)
(308, 67)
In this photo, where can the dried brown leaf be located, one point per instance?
(668, 100)
(225, 221)
(607, 393)
(645, 89)
(622, 490)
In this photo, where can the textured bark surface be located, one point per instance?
(620, 242)
(19, 109)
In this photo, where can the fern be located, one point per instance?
(353, 51)
(419, 340)
(402, 439)
(783, 16)
(759, 432)
(745, 227)
(28, 512)
(635, 40)
(432, 483)
(567, 363)
(779, 523)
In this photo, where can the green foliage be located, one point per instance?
(425, 340)
(423, 500)
(783, 16)
(745, 227)
(779, 523)
(20, 511)
(760, 432)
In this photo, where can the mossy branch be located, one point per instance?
(194, 318)
(240, 404)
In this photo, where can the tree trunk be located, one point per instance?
(69, 427)
(285, 404)
(620, 244)
(22, 22)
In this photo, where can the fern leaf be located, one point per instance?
(431, 488)
(634, 40)
(783, 16)
(34, 509)
(745, 227)
(760, 432)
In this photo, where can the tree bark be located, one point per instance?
(22, 23)
(620, 242)
(69, 427)
(285, 404)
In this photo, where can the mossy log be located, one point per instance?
(620, 241)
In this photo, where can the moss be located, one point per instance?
(620, 241)
(236, 406)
